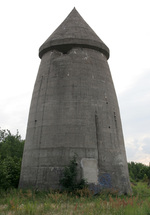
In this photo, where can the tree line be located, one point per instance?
(11, 151)
(138, 172)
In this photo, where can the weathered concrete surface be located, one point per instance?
(74, 110)
(90, 170)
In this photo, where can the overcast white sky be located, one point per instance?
(123, 25)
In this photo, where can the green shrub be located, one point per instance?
(11, 150)
(69, 179)
(145, 178)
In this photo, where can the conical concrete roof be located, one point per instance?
(73, 32)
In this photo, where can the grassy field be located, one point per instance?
(18, 202)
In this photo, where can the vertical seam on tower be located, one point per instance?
(96, 130)
(37, 104)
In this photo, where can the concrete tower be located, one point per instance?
(74, 110)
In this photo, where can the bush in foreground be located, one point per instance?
(69, 180)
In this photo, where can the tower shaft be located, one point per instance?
(74, 110)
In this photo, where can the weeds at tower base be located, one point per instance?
(27, 202)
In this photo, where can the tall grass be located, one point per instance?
(19, 202)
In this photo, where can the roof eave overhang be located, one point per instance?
(66, 44)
